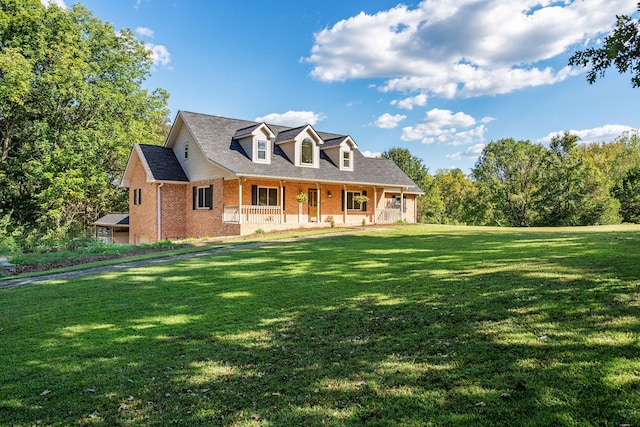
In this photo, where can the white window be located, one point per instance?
(346, 159)
(203, 197)
(306, 152)
(262, 150)
(267, 196)
(353, 203)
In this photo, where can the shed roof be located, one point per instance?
(113, 220)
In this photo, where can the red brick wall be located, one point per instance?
(179, 219)
(209, 222)
(142, 217)
(173, 211)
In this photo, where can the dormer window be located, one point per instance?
(262, 150)
(306, 152)
(346, 160)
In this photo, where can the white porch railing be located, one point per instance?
(253, 214)
(388, 215)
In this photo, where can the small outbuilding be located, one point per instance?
(113, 228)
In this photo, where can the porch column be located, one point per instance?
(344, 205)
(318, 195)
(282, 216)
(375, 205)
(240, 200)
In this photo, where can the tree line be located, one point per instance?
(519, 183)
(71, 106)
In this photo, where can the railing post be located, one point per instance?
(240, 200)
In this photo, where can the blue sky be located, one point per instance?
(440, 78)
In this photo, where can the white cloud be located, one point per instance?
(159, 54)
(375, 154)
(59, 3)
(605, 133)
(446, 127)
(388, 121)
(144, 32)
(408, 103)
(471, 153)
(464, 48)
(292, 118)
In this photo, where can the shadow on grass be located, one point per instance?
(398, 329)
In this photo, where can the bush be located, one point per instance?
(8, 235)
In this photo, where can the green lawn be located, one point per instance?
(413, 325)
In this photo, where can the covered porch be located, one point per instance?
(284, 204)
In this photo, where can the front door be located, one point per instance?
(313, 205)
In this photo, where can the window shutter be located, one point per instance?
(364, 205)
(254, 195)
(284, 198)
(404, 204)
(342, 204)
(208, 197)
(139, 196)
(195, 197)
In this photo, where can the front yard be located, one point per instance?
(413, 325)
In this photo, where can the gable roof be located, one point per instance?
(159, 163)
(215, 135)
(163, 164)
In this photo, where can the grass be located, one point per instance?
(415, 326)
(128, 253)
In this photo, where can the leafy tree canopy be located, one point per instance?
(71, 106)
(621, 49)
(628, 193)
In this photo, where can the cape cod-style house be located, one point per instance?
(217, 176)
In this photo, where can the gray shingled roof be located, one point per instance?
(163, 163)
(215, 135)
(114, 219)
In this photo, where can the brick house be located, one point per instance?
(217, 176)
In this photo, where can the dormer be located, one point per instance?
(256, 141)
(341, 151)
(301, 145)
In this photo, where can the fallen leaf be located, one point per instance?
(91, 390)
(44, 393)
(255, 417)
(505, 395)
(481, 404)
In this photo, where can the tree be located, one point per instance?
(71, 106)
(574, 191)
(628, 193)
(429, 204)
(459, 196)
(508, 176)
(621, 49)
